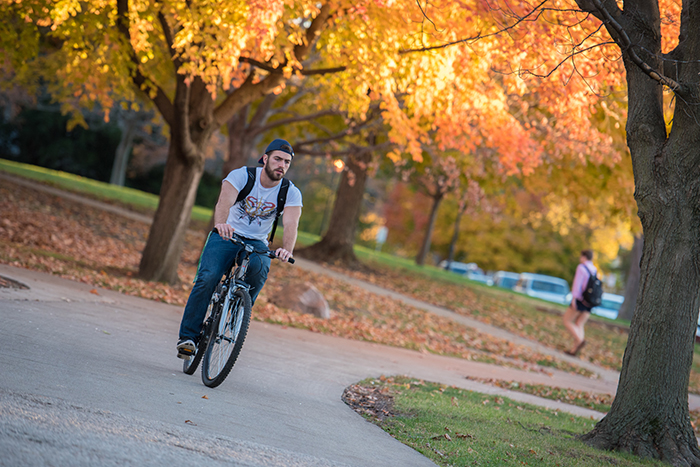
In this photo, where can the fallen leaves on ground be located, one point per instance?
(78, 242)
(362, 315)
(374, 402)
(514, 313)
(589, 400)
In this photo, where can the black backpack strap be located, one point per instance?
(281, 201)
(248, 184)
(590, 274)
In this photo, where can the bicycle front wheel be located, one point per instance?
(228, 332)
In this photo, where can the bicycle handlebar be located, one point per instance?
(238, 239)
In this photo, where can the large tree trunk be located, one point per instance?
(240, 146)
(121, 155)
(632, 282)
(241, 141)
(427, 240)
(455, 237)
(650, 415)
(183, 171)
(338, 241)
(166, 238)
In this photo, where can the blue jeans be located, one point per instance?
(216, 260)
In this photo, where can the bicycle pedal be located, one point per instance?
(185, 356)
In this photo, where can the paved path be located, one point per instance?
(94, 376)
(607, 375)
(90, 376)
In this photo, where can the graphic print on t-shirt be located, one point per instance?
(254, 210)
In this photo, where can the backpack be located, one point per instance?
(593, 293)
(281, 196)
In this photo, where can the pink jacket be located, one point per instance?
(583, 272)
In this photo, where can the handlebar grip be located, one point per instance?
(290, 260)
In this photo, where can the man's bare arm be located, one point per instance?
(227, 198)
(291, 226)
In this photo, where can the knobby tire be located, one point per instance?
(224, 347)
(190, 366)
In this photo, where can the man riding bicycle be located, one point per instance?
(252, 219)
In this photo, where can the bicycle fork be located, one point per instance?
(227, 309)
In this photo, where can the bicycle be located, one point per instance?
(226, 321)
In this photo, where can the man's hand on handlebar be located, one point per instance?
(225, 231)
(283, 254)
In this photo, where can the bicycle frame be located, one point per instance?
(231, 317)
(237, 276)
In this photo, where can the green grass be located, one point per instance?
(456, 427)
(104, 191)
(588, 400)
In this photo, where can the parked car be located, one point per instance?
(550, 288)
(470, 270)
(505, 279)
(479, 276)
(460, 268)
(610, 306)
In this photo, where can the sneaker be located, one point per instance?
(186, 348)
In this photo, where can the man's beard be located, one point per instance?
(272, 174)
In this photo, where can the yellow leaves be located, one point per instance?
(394, 156)
(63, 10)
(608, 239)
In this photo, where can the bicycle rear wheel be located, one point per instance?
(189, 366)
(228, 332)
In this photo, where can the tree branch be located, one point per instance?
(301, 71)
(317, 25)
(262, 112)
(169, 39)
(244, 95)
(349, 131)
(249, 91)
(322, 71)
(160, 99)
(297, 119)
(347, 152)
(479, 36)
(182, 104)
(625, 43)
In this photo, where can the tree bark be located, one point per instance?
(632, 282)
(183, 171)
(244, 135)
(121, 155)
(239, 145)
(650, 416)
(427, 240)
(336, 246)
(166, 238)
(455, 236)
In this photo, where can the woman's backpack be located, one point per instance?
(593, 293)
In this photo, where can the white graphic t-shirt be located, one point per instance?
(253, 216)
